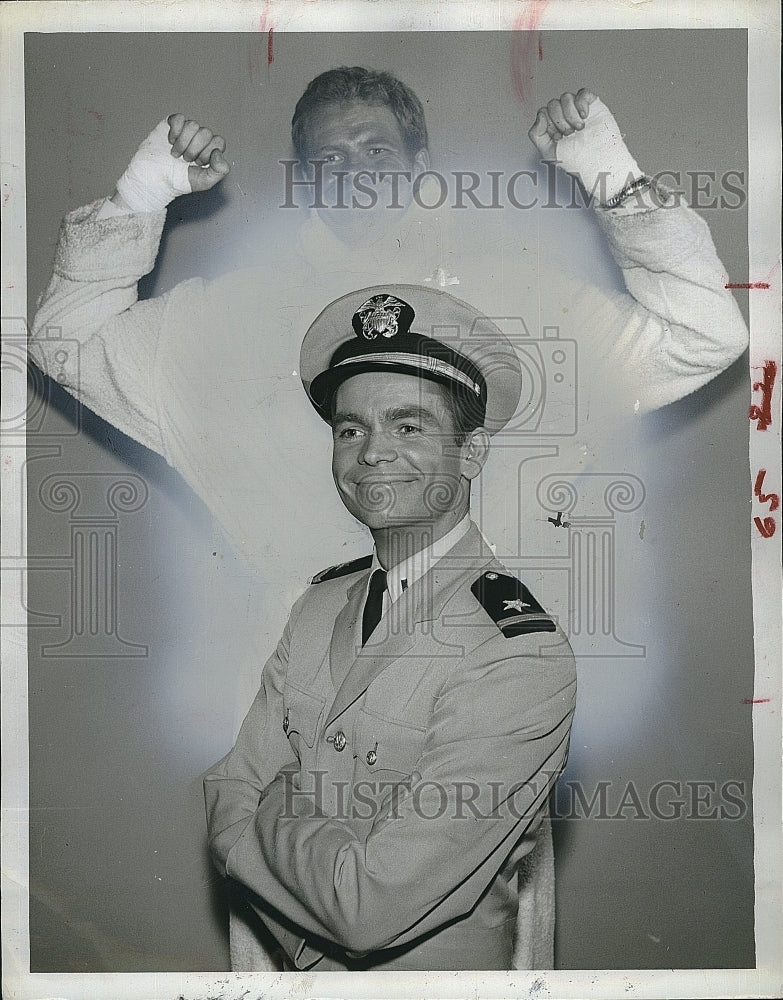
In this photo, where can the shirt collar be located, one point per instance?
(407, 572)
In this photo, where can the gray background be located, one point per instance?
(119, 877)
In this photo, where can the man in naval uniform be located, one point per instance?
(396, 763)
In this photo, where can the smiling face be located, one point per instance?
(359, 141)
(395, 461)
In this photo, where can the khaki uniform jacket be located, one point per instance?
(352, 859)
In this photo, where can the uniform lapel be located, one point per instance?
(347, 634)
(422, 602)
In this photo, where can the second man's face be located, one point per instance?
(395, 461)
(360, 143)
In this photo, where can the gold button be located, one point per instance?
(372, 757)
(286, 722)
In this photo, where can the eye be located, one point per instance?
(378, 150)
(347, 433)
(406, 430)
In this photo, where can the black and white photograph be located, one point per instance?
(391, 500)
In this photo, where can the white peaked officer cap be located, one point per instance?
(413, 330)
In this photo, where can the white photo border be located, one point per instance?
(762, 20)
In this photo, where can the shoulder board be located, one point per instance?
(510, 605)
(344, 569)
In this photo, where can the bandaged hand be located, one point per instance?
(177, 157)
(580, 132)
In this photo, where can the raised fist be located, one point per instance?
(177, 157)
(580, 132)
(199, 147)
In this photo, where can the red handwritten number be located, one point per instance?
(766, 527)
(771, 498)
(763, 412)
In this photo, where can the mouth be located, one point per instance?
(380, 481)
(378, 493)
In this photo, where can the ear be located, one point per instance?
(421, 162)
(474, 452)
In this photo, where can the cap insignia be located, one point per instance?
(382, 315)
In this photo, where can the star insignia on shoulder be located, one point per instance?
(517, 605)
(510, 605)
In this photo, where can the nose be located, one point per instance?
(354, 162)
(378, 447)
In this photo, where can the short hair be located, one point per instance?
(467, 413)
(355, 83)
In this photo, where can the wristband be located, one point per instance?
(640, 184)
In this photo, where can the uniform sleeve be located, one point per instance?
(91, 334)
(234, 785)
(498, 735)
(233, 788)
(679, 327)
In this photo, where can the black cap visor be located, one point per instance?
(410, 354)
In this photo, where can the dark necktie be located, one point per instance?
(373, 606)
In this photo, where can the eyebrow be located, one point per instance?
(345, 417)
(420, 413)
(368, 135)
(410, 413)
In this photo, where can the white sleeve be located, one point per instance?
(680, 326)
(90, 333)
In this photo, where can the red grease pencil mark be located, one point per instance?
(523, 44)
(763, 412)
(747, 284)
(264, 27)
(766, 527)
(755, 701)
(771, 498)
